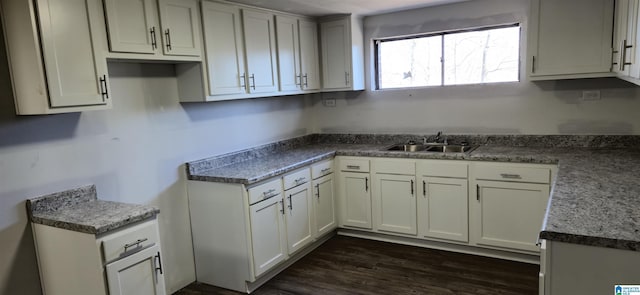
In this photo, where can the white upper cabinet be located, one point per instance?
(160, 28)
(309, 56)
(298, 59)
(288, 53)
(260, 46)
(625, 41)
(180, 27)
(56, 67)
(570, 39)
(224, 49)
(342, 53)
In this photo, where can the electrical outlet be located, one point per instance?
(329, 102)
(590, 95)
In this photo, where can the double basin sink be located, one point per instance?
(431, 148)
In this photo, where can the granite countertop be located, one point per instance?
(80, 210)
(594, 199)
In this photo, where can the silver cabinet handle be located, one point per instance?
(354, 167)
(477, 192)
(533, 64)
(306, 80)
(269, 192)
(282, 204)
(623, 59)
(298, 80)
(290, 203)
(134, 244)
(510, 176)
(325, 170)
(318, 191)
(300, 180)
(243, 81)
(253, 79)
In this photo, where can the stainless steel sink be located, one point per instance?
(430, 148)
(450, 148)
(407, 147)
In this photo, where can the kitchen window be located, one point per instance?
(484, 55)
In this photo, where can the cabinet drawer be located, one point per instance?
(265, 190)
(442, 168)
(296, 178)
(130, 240)
(355, 165)
(399, 166)
(513, 173)
(321, 169)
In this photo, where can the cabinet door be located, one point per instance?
(268, 236)
(442, 209)
(508, 214)
(309, 58)
(336, 54)
(132, 26)
(324, 205)
(355, 200)
(75, 66)
(288, 53)
(570, 37)
(138, 274)
(224, 48)
(180, 27)
(395, 201)
(260, 46)
(298, 217)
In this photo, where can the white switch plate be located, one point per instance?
(329, 102)
(590, 95)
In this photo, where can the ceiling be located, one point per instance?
(357, 7)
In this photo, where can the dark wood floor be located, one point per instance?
(345, 265)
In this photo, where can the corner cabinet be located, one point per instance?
(56, 68)
(342, 50)
(159, 29)
(570, 39)
(625, 41)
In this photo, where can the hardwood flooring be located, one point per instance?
(345, 265)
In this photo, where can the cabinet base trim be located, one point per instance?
(526, 258)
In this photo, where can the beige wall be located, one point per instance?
(551, 107)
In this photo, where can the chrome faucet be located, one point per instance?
(440, 137)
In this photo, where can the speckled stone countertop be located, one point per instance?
(595, 197)
(80, 210)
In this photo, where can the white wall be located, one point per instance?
(510, 108)
(133, 153)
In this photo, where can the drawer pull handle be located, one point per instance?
(510, 176)
(354, 167)
(325, 170)
(300, 180)
(424, 188)
(412, 187)
(134, 244)
(269, 193)
(318, 191)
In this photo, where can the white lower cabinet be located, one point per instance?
(443, 200)
(508, 204)
(268, 231)
(298, 210)
(354, 193)
(244, 235)
(123, 262)
(394, 195)
(324, 202)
